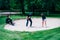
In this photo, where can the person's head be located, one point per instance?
(28, 16)
(42, 14)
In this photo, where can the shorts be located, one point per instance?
(43, 19)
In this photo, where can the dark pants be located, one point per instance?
(10, 22)
(28, 22)
(43, 19)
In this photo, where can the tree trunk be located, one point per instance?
(22, 5)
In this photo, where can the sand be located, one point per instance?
(20, 25)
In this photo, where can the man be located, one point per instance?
(43, 20)
(9, 20)
(29, 19)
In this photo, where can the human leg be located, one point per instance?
(30, 22)
(42, 22)
(27, 23)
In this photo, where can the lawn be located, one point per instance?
(53, 34)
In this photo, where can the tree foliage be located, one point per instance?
(30, 5)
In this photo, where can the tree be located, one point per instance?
(22, 6)
(4, 5)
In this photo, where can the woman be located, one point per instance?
(9, 20)
(43, 20)
(29, 19)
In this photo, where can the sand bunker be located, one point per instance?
(20, 25)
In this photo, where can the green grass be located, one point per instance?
(53, 34)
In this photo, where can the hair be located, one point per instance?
(42, 13)
(28, 15)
